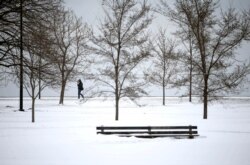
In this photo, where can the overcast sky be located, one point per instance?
(91, 12)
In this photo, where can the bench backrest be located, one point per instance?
(102, 128)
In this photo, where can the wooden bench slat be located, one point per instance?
(145, 127)
(156, 136)
(146, 132)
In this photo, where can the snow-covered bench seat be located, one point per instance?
(149, 131)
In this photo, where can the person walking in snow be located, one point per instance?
(80, 88)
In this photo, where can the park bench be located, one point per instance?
(149, 131)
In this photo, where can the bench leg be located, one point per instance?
(190, 132)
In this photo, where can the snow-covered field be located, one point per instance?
(66, 135)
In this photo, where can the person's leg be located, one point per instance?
(79, 93)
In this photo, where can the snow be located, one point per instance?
(66, 135)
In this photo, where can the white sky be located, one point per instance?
(91, 10)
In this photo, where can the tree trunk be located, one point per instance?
(39, 88)
(39, 78)
(116, 94)
(191, 66)
(33, 104)
(163, 93)
(62, 93)
(63, 82)
(190, 85)
(33, 109)
(21, 58)
(117, 108)
(205, 97)
(164, 76)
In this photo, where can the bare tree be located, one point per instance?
(121, 44)
(187, 59)
(246, 14)
(9, 31)
(70, 36)
(38, 71)
(216, 39)
(187, 72)
(32, 10)
(15, 17)
(37, 75)
(163, 71)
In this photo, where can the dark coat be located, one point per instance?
(80, 85)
